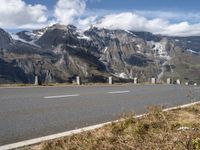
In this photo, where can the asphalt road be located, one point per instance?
(27, 113)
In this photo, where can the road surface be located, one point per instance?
(27, 113)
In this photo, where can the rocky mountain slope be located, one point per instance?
(58, 53)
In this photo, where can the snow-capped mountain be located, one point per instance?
(58, 53)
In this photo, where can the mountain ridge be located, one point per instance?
(61, 52)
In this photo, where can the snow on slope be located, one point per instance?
(17, 38)
(122, 75)
(81, 35)
(34, 36)
(129, 32)
(105, 50)
(159, 49)
(194, 52)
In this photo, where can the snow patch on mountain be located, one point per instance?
(159, 49)
(34, 36)
(40, 33)
(192, 51)
(129, 32)
(121, 75)
(105, 50)
(84, 37)
(17, 38)
(139, 48)
(177, 40)
(81, 35)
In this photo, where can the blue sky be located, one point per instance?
(189, 5)
(170, 17)
(49, 3)
(179, 5)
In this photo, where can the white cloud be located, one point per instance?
(132, 21)
(86, 22)
(67, 11)
(182, 29)
(16, 13)
(74, 12)
(177, 16)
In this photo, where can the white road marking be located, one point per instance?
(61, 96)
(118, 92)
(26, 87)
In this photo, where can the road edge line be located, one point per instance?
(76, 131)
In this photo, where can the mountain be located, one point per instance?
(5, 39)
(58, 53)
(190, 43)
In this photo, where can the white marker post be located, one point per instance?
(178, 82)
(110, 80)
(36, 81)
(78, 80)
(153, 80)
(169, 81)
(135, 80)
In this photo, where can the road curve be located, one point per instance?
(27, 113)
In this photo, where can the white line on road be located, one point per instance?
(61, 96)
(118, 92)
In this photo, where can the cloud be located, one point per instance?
(135, 22)
(175, 16)
(16, 13)
(130, 21)
(74, 12)
(67, 11)
(182, 29)
(86, 22)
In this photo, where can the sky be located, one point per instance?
(167, 17)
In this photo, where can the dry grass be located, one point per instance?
(173, 130)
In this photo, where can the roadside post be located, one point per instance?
(110, 80)
(153, 80)
(169, 81)
(135, 80)
(178, 82)
(36, 81)
(78, 80)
